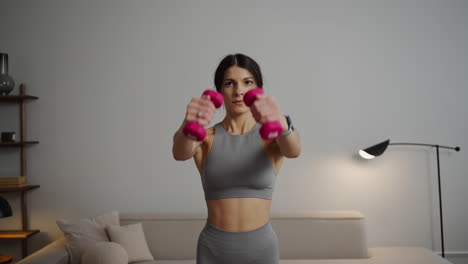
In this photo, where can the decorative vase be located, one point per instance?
(7, 84)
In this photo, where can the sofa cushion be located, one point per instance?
(321, 235)
(132, 239)
(84, 233)
(313, 235)
(405, 255)
(384, 255)
(105, 253)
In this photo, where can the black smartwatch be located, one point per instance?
(290, 127)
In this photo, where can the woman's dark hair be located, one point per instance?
(239, 60)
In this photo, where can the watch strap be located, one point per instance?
(290, 127)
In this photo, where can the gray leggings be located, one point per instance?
(218, 246)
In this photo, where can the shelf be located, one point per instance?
(19, 185)
(17, 98)
(5, 258)
(17, 234)
(23, 188)
(17, 144)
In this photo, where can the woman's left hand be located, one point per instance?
(266, 109)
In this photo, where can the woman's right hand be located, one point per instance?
(200, 110)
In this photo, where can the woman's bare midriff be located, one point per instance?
(238, 214)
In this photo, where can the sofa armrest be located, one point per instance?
(54, 253)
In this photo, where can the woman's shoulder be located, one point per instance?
(271, 148)
(205, 147)
(210, 130)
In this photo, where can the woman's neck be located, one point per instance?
(239, 125)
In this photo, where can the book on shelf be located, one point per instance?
(13, 181)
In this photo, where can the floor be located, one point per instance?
(458, 260)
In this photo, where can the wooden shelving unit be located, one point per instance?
(24, 188)
(17, 98)
(17, 144)
(25, 232)
(15, 234)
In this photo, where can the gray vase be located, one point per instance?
(7, 84)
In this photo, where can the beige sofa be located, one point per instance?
(337, 237)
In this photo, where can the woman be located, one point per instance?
(238, 168)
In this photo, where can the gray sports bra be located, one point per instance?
(237, 166)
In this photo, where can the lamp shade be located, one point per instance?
(5, 208)
(374, 151)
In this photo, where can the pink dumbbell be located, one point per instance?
(196, 131)
(269, 130)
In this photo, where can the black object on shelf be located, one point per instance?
(8, 136)
(5, 208)
(7, 84)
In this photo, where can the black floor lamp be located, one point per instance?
(377, 150)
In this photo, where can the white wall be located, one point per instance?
(114, 77)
